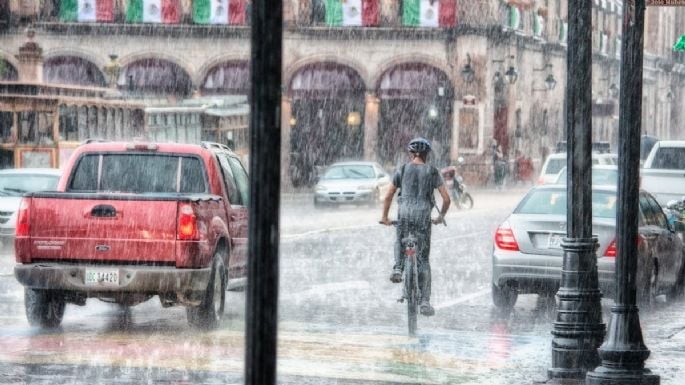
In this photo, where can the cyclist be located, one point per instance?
(417, 182)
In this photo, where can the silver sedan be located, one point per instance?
(527, 255)
(351, 182)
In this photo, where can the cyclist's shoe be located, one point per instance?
(396, 276)
(426, 309)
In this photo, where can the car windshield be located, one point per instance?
(555, 165)
(599, 177)
(349, 172)
(553, 202)
(16, 185)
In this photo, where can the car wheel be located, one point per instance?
(44, 308)
(648, 287)
(504, 297)
(317, 204)
(679, 286)
(208, 314)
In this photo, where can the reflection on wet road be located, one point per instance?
(340, 322)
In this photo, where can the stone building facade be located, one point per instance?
(498, 74)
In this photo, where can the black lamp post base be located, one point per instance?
(604, 376)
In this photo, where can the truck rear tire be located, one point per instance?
(208, 315)
(44, 308)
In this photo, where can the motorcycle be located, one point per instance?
(457, 188)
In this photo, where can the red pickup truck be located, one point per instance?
(133, 220)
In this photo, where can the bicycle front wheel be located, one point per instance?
(412, 294)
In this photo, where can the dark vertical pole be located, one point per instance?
(624, 352)
(578, 329)
(265, 170)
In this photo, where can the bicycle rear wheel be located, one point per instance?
(411, 290)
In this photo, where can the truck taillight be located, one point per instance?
(187, 223)
(504, 238)
(23, 216)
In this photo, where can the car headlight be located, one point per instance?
(365, 187)
(321, 188)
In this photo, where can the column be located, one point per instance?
(286, 114)
(371, 114)
(454, 146)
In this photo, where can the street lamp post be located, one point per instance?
(624, 352)
(578, 329)
(265, 172)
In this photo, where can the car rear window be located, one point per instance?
(553, 202)
(669, 158)
(139, 173)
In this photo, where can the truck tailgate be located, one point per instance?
(104, 230)
(663, 184)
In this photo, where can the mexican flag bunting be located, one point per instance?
(153, 11)
(219, 11)
(429, 13)
(87, 10)
(352, 12)
(680, 45)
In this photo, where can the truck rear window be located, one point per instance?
(669, 158)
(139, 173)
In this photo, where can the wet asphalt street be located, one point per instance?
(340, 322)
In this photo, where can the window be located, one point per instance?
(234, 195)
(131, 173)
(241, 179)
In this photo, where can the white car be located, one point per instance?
(557, 161)
(351, 183)
(13, 184)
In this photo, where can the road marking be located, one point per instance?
(328, 288)
(325, 230)
(462, 299)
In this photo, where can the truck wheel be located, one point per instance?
(209, 313)
(44, 308)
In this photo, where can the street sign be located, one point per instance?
(666, 3)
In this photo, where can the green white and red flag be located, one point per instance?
(87, 10)
(154, 11)
(429, 13)
(352, 12)
(219, 11)
(680, 45)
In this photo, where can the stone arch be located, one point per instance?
(155, 76)
(327, 106)
(296, 66)
(9, 58)
(227, 77)
(416, 99)
(413, 58)
(69, 69)
(201, 72)
(125, 60)
(76, 52)
(8, 70)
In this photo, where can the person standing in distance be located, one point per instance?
(417, 182)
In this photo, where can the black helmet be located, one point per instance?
(419, 146)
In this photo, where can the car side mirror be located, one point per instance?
(381, 175)
(679, 226)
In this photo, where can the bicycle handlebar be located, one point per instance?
(396, 222)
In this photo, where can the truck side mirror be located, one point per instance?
(679, 226)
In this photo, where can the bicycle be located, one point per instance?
(411, 292)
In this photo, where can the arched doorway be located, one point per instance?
(72, 70)
(7, 71)
(415, 100)
(155, 77)
(327, 118)
(227, 78)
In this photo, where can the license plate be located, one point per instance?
(554, 241)
(105, 277)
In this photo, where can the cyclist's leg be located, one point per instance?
(396, 275)
(424, 271)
